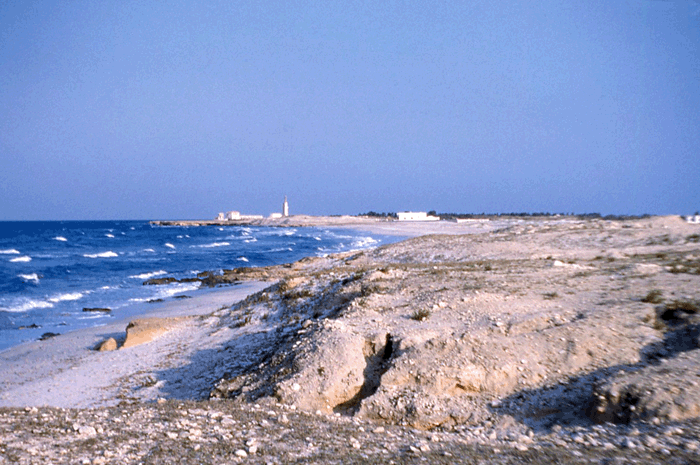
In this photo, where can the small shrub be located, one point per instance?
(550, 295)
(693, 238)
(653, 297)
(420, 315)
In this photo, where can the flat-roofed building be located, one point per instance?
(416, 216)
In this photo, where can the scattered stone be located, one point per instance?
(107, 345)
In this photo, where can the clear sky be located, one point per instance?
(181, 109)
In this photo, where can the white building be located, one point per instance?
(275, 216)
(233, 215)
(416, 216)
(695, 219)
(221, 216)
(285, 207)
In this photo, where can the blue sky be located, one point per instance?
(181, 109)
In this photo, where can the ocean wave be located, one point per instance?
(109, 235)
(60, 239)
(149, 275)
(24, 258)
(28, 304)
(213, 244)
(148, 250)
(364, 242)
(168, 291)
(67, 296)
(108, 254)
(282, 249)
(169, 245)
(248, 241)
(243, 259)
(10, 252)
(29, 277)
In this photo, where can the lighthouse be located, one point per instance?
(285, 207)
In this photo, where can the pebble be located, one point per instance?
(241, 453)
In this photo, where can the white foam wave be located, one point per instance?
(10, 252)
(108, 254)
(243, 259)
(168, 291)
(248, 241)
(317, 238)
(64, 297)
(60, 239)
(24, 258)
(28, 304)
(148, 250)
(168, 244)
(149, 275)
(109, 235)
(213, 244)
(29, 277)
(364, 242)
(94, 316)
(282, 249)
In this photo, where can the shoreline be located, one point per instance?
(67, 371)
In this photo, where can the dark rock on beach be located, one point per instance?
(97, 309)
(48, 335)
(159, 281)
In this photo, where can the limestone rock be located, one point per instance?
(145, 330)
(668, 391)
(107, 345)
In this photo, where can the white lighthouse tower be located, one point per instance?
(285, 207)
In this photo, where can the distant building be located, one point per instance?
(285, 207)
(221, 216)
(275, 216)
(694, 219)
(233, 215)
(416, 216)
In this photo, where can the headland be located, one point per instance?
(543, 340)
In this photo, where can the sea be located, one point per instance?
(51, 271)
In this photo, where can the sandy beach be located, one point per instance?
(561, 339)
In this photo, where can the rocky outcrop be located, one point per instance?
(107, 345)
(144, 330)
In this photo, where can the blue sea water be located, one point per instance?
(50, 271)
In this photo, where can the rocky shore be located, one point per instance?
(542, 341)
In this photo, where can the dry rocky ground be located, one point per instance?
(560, 341)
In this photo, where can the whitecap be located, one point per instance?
(149, 275)
(317, 238)
(168, 244)
(10, 252)
(248, 241)
(67, 296)
(243, 259)
(221, 229)
(109, 235)
(213, 244)
(24, 258)
(148, 250)
(29, 277)
(108, 254)
(94, 316)
(60, 239)
(364, 242)
(180, 236)
(27, 305)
